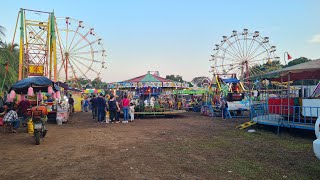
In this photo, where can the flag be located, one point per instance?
(289, 57)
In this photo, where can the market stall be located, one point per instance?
(41, 92)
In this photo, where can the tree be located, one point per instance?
(300, 61)
(297, 61)
(176, 78)
(197, 81)
(9, 63)
(97, 83)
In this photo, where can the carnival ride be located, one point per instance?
(53, 49)
(242, 54)
(237, 59)
(288, 109)
(151, 94)
(80, 51)
(62, 49)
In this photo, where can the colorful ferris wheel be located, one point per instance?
(243, 54)
(80, 51)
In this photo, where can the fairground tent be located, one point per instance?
(147, 80)
(40, 83)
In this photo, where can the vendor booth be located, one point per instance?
(40, 91)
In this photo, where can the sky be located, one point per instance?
(177, 36)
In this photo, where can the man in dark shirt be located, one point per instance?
(71, 103)
(23, 107)
(101, 105)
(94, 106)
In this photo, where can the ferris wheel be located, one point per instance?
(243, 54)
(80, 51)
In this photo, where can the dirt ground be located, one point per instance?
(190, 146)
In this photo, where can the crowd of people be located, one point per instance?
(11, 111)
(107, 108)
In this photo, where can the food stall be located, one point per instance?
(40, 91)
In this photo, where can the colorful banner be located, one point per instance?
(171, 84)
(36, 70)
(120, 85)
(149, 84)
(93, 91)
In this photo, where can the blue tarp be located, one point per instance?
(40, 83)
(66, 87)
(231, 80)
(63, 85)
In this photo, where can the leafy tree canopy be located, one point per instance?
(176, 78)
(297, 61)
(198, 80)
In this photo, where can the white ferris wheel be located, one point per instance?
(243, 54)
(80, 51)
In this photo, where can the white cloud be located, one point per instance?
(315, 39)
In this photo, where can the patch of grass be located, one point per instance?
(251, 169)
(287, 142)
(294, 146)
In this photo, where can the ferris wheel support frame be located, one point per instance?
(49, 58)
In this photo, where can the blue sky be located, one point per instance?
(177, 36)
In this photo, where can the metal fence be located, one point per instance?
(302, 117)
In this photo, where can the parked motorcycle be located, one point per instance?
(39, 124)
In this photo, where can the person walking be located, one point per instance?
(113, 108)
(101, 106)
(125, 108)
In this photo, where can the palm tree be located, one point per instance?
(9, 62)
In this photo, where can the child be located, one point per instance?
(107, 116)
(131, 112)
(85, 105)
